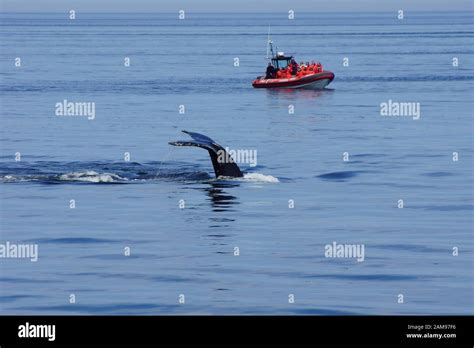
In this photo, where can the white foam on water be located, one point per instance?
(10, 178)
(254, 177)
(91, 176)
(95, 177)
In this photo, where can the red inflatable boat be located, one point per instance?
(284, 72)
(309, 81)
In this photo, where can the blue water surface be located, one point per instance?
(191, 251)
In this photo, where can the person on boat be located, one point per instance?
(270, 73)
(294, 67)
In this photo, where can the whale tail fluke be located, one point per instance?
(222, 162)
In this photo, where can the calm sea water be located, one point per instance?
(190, 251)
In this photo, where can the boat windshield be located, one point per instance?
(281, 63)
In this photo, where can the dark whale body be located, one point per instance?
(222, 162)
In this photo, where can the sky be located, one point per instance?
(233, 5)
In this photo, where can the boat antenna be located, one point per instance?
(269, 44)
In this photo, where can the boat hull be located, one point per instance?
(311, 81)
